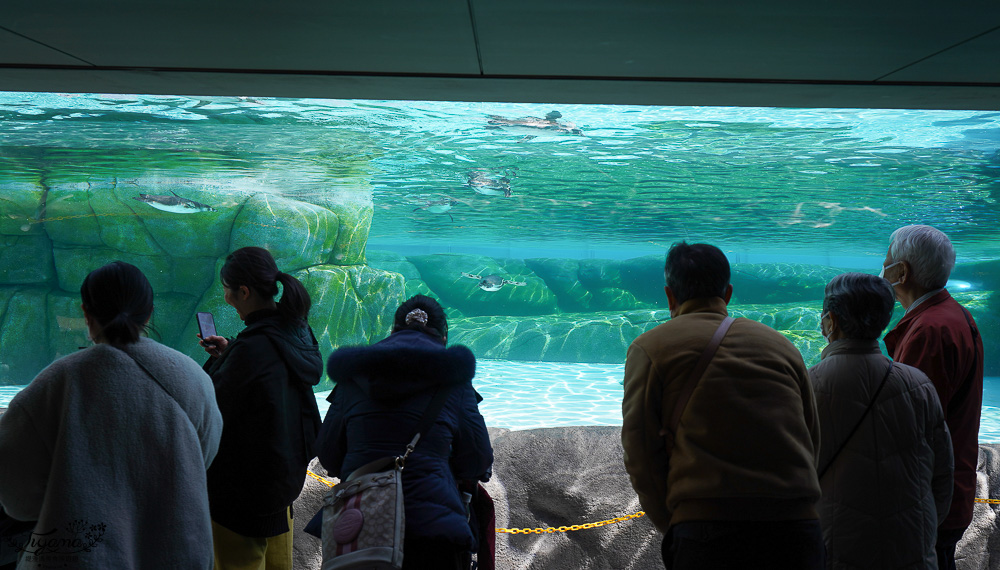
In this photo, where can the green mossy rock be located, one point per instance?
(443, 274)
(350, 199)
(563, 278)
(68, 328)
(351, 306)
(297, 234)
(26, 260)
(122, 227)
(375, 256)
(171, 314)
(24, 336)
(20, 205)
(70, 219)
(600, 273)
(613, 299)
(166, 275)
(782, 317)
(580, 337)
(194, 234)
(770, 283)
(394, 262)
(600, 337)
(604, 284)
(487, 337)
(352, 237)
(643, 277)
(418, 287)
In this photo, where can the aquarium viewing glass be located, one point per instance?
(541, 228)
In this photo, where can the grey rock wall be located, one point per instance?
(569, 476)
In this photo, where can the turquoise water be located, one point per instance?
(369, 202)
(528, 395)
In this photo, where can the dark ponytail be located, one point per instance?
(436, 323)
(120, 299)
(255, 268)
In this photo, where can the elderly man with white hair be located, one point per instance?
(939, 337)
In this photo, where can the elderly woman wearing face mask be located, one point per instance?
(885, 459)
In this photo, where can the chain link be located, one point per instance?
(574, 527)
(585, 526)
(320, 479)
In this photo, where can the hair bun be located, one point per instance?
(416, 316)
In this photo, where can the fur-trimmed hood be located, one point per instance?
(405, 363)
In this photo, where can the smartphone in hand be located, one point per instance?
(206, 326)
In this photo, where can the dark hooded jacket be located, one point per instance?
(381, 394)
(263, 384)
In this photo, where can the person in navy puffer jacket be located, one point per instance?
(380, 396)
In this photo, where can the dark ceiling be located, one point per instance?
(845, 53)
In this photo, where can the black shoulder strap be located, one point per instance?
(857, 425)
(430, 415)
(398, 462)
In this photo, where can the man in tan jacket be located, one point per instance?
(734, 484)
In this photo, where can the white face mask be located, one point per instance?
(891, 265)
(822, 329)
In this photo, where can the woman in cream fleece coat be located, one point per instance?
(110, 462)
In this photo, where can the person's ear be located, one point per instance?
(728, 293)
(834, 325)
(244, 292)
(904, 272)
(671, 299)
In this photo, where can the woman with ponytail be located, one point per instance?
(263, 382)
(382, 392)
(107, 448)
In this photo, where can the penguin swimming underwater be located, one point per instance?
(439, 206)
(493, 282)
(174, 204)
(487, 186)
(533, 125)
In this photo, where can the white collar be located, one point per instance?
(926, 296)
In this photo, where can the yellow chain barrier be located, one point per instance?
(584, 526)
(528, 530)
(320, 479)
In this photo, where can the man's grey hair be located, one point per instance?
(928, 251)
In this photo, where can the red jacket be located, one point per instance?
(941, 339)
